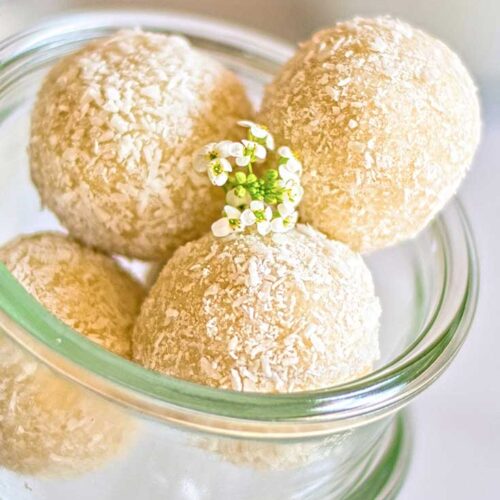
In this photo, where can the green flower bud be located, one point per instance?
(239, 191)
(251, 179)
(240, 177)
(271, 174)
(272, 187)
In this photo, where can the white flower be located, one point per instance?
(230, 223)
(226, 148)
(248, 218)
(286, 208)
(237, 201)
(209, 153)
(287, 219)
(289, 167)
(262, 135)
(252, 201)
(235, 149)
(293, 191)
(269, 141)
(264, 227)
(252, 152)
(218, 171)
(260, 214)
(285, 152)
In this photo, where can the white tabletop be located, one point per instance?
(457, 421)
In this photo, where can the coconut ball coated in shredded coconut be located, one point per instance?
(287, 312)
(272, 456)
(386, 121)
(113, 132)
(50, 426)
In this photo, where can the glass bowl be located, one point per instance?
(186, 441)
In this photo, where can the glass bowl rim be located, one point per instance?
(204, 408)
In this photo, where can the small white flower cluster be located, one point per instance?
(212, 159)
(269, 203)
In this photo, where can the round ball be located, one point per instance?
(386, 121)
(49, 426)
(287, 312)
(113, 132)
(273, 456)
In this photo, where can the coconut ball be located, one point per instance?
(274, 456)
(113, 132)
(280, 313)
(49, 426)
(386, 121)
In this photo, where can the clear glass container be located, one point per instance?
(177, 440)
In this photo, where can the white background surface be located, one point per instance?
(457, 421)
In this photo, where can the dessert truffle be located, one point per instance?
(113, 131)
(273, 456)
(386, 121)
(285, 312)
(49, 426)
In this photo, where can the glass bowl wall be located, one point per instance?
(191, 441)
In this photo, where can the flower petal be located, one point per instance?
(226, 166)
(294, 166)
(248, 218)
(220, 180)
(297, 194)
(256, 205)
(264, 227)
(293, 218)
(258, 132)
(211, 175)
(242, 161)
(285, 152)
(221, 227)
(293, 190)
(277, 225)
(232, 212)
(246, 123)
(286, 174)
(223, 149)
(285, 209)
(260, 152)
(236, 149)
